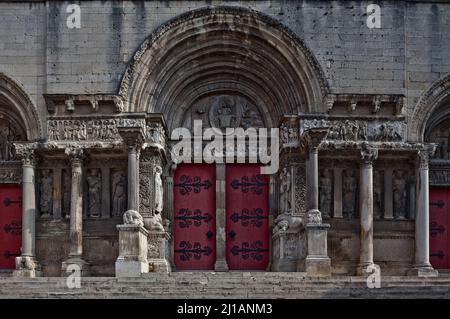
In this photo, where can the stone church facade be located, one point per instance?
(87, 175)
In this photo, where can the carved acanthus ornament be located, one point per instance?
(311, 140)
(425, 154)
(25, 152)
(368, 154)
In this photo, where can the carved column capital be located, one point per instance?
(133, 137)
(368, 154)
(425, 154)
(25, 152)
(312, 139)
(77, 155)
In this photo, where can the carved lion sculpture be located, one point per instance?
(132, 217)
(286, 221)
(156, 222)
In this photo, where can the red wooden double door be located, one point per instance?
(10, 225)
(439, 225)
(246, 212)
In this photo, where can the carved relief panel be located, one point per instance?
(224, 111)
(8, 134)
(326, 193)
(349, 193)
(46, 193)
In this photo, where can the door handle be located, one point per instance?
(232, 234)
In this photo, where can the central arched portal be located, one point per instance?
(227, 67)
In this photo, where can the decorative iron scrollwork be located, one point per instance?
(8, 201)
(440, 203)
(186, 216)
(14, 228)
(440, 254)
(247, 250)
(9, 254)
(255, 184)
(436, 229)
(254, 217)
(188, 184)
(188, 250)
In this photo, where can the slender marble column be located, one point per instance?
(133, 178)
(422, 266)
(366, 265)
(317, 262)
(221, 261)
(75, 260)
(26, 263)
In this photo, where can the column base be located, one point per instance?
(221, 266)
(318, 266)
(423, 271)
(75, 264)
(366, 269)
(27, 267)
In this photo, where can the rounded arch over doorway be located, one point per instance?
(431, 108)
(223, 50)
(18, 109)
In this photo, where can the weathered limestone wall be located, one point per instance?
(405, 56)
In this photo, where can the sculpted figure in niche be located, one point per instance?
(349, 188)
(53, 131)
(325, 188)
(119, 193)
(66, 195)
(377, 194)
(399, 190)
(157, 223)
(94, 181)
(285, 192)
(46, 191)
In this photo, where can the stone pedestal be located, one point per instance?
(287, 249)
(132, 260)
(318, 264)
(158, 251)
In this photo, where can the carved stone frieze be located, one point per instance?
(359, 130)
(439, 177)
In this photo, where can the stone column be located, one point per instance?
(221, 262)
(133, 178)
(366, 265)
(318, 263)
(75, 260)
(422, 266)
(26, 263)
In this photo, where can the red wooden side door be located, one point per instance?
(10, 225)
(195, 217)
(439, 222)
(247, 217)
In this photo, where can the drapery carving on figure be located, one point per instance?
(94, 181)
(66, 194)
(378, 182)
(157, 222)
(349, 193)
(399, 191)
(325, 191)
(285, 192)
(119, 193)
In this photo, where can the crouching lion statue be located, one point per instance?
(286, 222)
(132, 217)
